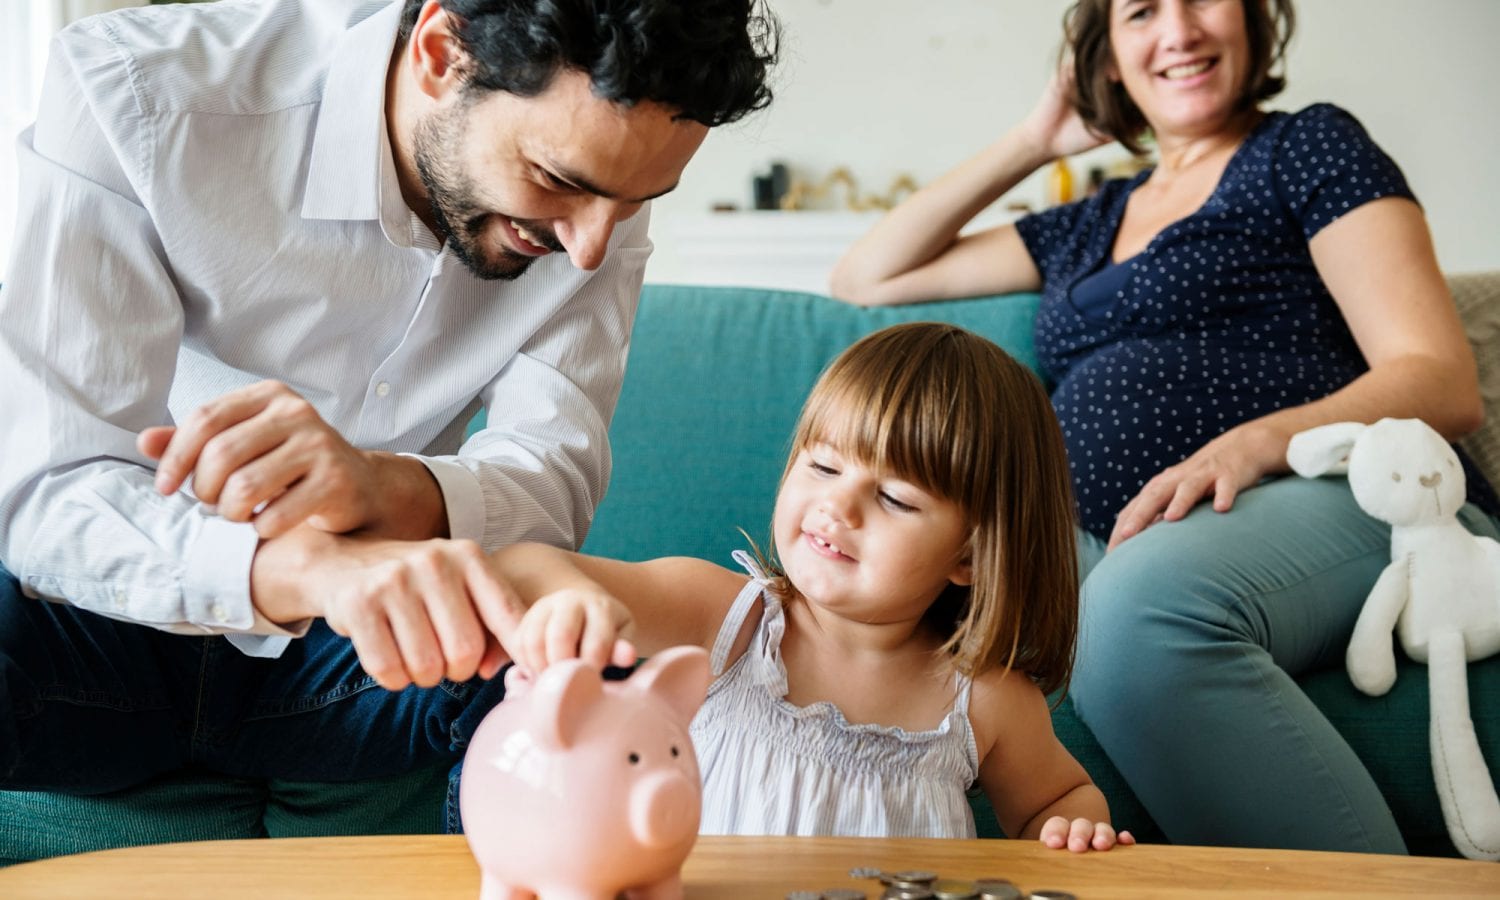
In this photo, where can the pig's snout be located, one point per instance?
(664, 808)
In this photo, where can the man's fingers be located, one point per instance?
(498, 605)
(378, 655)
(461, 639)
(253, 443)
(420, 652)
(181, 454)
(494, 658)
(153, 441)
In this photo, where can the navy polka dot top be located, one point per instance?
(1221, 319)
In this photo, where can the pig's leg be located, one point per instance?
(492, 888)
(669, 888)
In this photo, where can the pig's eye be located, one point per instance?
(674, 751)
(635, 758)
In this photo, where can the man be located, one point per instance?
(318, 235)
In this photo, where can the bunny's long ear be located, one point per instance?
(1323, 450)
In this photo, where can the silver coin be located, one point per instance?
(954, 889)
(866, 872)
(914, 876)
(843, 894)
(804, 895)
(906, 893)
(1052, 895)
(995, 889)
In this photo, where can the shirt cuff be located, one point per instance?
(462, 497)
(216, 583)
(216, 588)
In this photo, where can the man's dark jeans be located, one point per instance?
(90, 705)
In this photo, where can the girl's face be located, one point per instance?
(863, 545)
(1183, 62)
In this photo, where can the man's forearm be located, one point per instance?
(409, 504)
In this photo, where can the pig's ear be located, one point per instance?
(561, 699)
(678, 675)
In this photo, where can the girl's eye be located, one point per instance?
(895, 504)
(820, 468)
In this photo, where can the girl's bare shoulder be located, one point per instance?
(1006, 704)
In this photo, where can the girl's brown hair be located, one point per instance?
(1103, 103)
(951, 412)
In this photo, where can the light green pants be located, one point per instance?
(1192, 634)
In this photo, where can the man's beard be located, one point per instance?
(459, 219)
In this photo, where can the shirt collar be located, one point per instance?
(344, 169)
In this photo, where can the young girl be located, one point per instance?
(924, 600)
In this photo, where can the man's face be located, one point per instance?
(511, 179)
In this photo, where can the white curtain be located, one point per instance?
(26, 27)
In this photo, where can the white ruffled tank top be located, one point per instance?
(773, 768)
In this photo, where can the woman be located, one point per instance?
(1271, 273)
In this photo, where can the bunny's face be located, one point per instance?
(1404, 473)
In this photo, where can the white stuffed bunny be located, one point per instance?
(1441, 594)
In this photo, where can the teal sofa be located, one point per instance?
(716, 378)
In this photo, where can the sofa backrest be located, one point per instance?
(1478, 297)
(718, 375)
(716, 379)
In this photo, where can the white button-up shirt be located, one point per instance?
(208, 199)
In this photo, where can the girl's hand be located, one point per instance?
(1226, 465)
(1082, 835)
(1054, 127)
(573, 623)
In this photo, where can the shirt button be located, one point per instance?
(219, 613)
(119, 599)
(382, 388)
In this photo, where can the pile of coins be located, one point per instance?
(921, 885)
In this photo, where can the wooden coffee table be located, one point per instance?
(440, 867)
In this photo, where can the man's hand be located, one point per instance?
(262, 454)
(416, 611)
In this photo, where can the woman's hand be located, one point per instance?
(1054, 126)
(572, 623)
(1082, 835)
(1225, 466)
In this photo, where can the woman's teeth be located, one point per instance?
(1188, 70)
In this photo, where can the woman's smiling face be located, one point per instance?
(1183, 62)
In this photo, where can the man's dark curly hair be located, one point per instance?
(706, 59)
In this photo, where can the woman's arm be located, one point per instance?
(584, 606)
(1038, 790)
(915, 253)
(1378, 263)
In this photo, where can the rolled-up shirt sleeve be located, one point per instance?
(90, 325)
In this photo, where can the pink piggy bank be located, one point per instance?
(574, 787)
